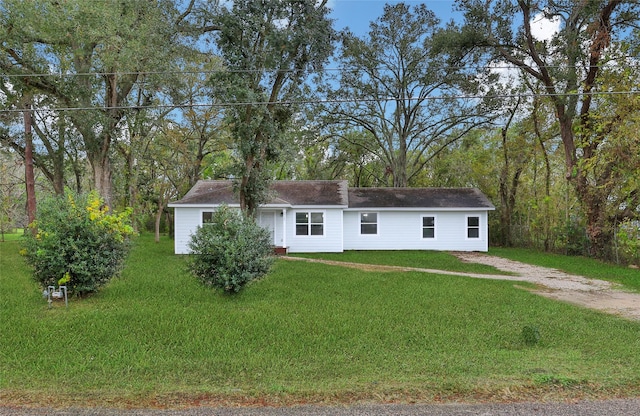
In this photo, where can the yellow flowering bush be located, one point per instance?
(78, 241)
(117, 224)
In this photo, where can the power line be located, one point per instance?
(261, 70)
(323, 101)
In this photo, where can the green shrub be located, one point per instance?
(230, 251)
(629, 241)
(77, 239)
(572, 238)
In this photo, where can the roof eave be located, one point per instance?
(420, 209)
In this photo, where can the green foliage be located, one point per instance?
(124, 41)
(230, 251)
(629, 240)
(78, 242)
(397, 58)
(269, 62)
(597, 132)
(573, 238)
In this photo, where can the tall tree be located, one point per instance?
(568, 65)
(201, 127)
(269, 48)
(394, 86)
(614, 123)
(509, 177)
(56, 144)
(30, 179)
(99, 51)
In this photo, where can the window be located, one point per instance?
(368, 223)
(207, 217)
(473, 227)
(428, 227)
(309, 223)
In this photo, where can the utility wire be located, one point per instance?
(259, 70)
(321, 101)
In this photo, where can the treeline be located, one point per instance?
(139, 100)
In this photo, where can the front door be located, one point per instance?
(268, 221)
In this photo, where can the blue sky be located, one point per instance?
(356, 14)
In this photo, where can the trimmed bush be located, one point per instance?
(78, 242)
(230, 251)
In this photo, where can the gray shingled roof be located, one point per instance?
(206, 192)
(312, 192)
(336, 193)
(418, 198)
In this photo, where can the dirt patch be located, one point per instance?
(554, 284)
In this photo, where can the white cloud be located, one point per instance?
(543, 29)
(507, 73)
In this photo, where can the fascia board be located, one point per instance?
(343, 207)
(173, 205)
(407, 209)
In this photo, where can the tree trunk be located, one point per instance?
(58, 159)
(400, 171)
(77, 173)
(244, 193)
(158, 219)
(102, 177)
(505, 206)
(598, 229)
(505, 211)
(400, 163)
(28, 167)
(131, 182)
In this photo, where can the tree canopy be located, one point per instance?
(268, 48)
(571, 66)
(394, 86)
(88, 56)
(138, 100)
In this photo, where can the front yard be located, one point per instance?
(305, 333)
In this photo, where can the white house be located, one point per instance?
(328, 216)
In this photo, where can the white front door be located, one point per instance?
(268, 221)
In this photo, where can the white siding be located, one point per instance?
(402, 230)
(397, 230)
(330, 241)
(187, 219)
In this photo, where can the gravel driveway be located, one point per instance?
(551, 283)
(554, 284)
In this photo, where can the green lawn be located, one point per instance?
(438, 260)
(13, 236)
(307, 332)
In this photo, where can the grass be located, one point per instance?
(305, 333)
(12, 236)
(437, 260)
